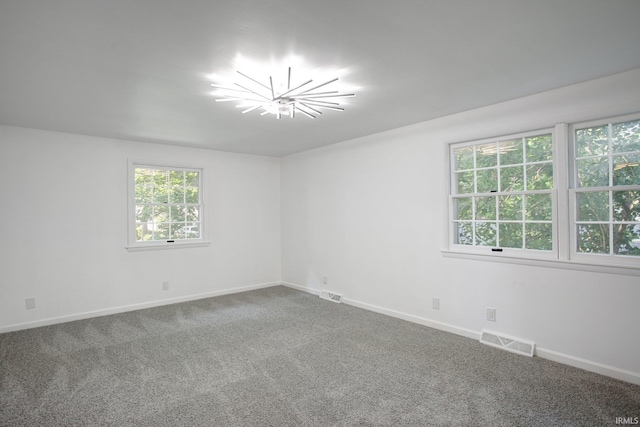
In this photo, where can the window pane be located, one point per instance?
(177, 230)
(143, 185)
(512, 179)
(539, 148)
(192, 179)
(143, 232)
(143, 194)
(592, 141)
(626, 136)
(593, 172)
(538, 207)
(510, 207)
(462, 208)
(593, 238)
(143, 176)
(486, 208)
(593, 206)
(510, 235)
(192, 230)
(540, 176)
(176, 178)
(626, 239)
(511, 152)
(192, 213)
(464, 158)
(487, 180)
(177, 213)
(486, 155)
(626, 206)
(161, 231)
(464, 183)
(160, 214)
(160, 177)
(626, 169)
(463, 233)
(538, 236)
(176, 195)
(486, 233)
(192, 195)
(160, 187)
(143, 213)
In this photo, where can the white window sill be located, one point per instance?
(163, 246)
(549, 263)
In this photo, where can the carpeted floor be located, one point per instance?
(279, 357)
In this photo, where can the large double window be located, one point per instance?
(571, 193)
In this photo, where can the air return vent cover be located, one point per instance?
(514, 345)
(331, 296)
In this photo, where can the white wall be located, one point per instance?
(370, 214)
(63, 223)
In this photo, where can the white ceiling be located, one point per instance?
(140, 69)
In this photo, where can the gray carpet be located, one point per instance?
(279, 357)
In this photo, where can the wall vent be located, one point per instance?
(514, 345)
(331, 296)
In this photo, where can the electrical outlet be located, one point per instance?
(165, 286)
(324, 280)
(491, 314)
(30, 303)
(435, 303)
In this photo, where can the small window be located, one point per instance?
(166, 206)
(606, 190)
(502, 195)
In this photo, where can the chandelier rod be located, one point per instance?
(311, 108)
(291, 90)
(254, 80)
(319, 86)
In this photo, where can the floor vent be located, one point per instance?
(514, 345)
(330, 296)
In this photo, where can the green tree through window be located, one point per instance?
(607, 196)
(167, 204)
(502, 193)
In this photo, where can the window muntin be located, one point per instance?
(502, 193)
(166, 205)
(607, 189)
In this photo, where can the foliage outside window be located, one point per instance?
(168, 204)
(502, 194)
(607, 189)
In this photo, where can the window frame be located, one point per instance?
(503, 252)
(574, 190)
(135, 245)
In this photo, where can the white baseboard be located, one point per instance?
(414, 319)
(588, 365)
(393, 313)
(566, 359)
(307, 289)
(132, 307)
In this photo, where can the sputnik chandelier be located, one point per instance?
(281, 100)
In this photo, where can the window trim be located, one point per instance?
(136, 246)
